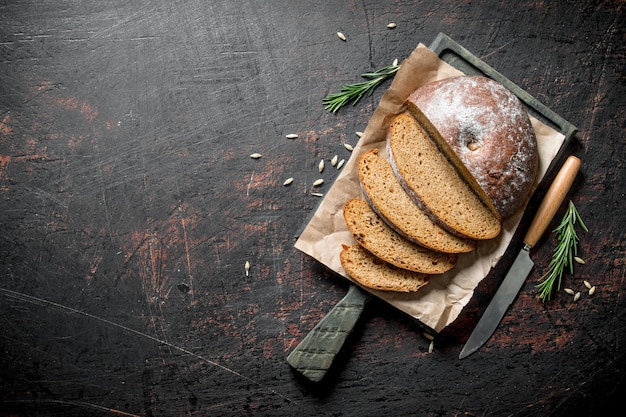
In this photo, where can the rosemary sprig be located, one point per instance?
(563, 255)
(354, 92)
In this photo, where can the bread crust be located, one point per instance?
(487, 126)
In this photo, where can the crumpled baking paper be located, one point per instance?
(440, 302)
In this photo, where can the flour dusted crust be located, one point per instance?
(488, 128)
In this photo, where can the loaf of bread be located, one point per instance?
(462, 157)
(487, 126)
(428, 175)
(371, 232)
(392, 203)
(371, 272)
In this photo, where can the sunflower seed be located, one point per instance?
(429, 336)
(255, 156)
(348, 147)
(431, 346)
(391, 25)
(247, 267)
(291, 136)
(318, 182)
(395, 62)
(288, 181)
(359, 134)
(592, 290)
(569, 291)
(577, 296)
(587, 284)
(333, 161)
(320, 167)
(340, 163)
(579, 260)
(317, 194)
(341, 36)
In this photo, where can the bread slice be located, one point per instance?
(371, 232)
(391, 202)
(371, 272)
(434, 184)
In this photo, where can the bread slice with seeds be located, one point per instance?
(430, 178)
(371, 232)
(372, 272)
(391, 202)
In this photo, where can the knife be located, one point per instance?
(522, 266)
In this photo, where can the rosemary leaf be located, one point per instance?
(564, 253)
(352, 93)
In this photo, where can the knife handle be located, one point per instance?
(552, 200)
(316, 353)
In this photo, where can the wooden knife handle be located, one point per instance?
(314, 356)
(552, 200)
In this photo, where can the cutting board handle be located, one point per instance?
(316, 353)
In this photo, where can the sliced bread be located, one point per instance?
(448, 152)
(371, 272)
(487, 126)
(391, 202)
(371, 232)
(433, 183)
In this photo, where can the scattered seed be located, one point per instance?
(291, 136)
(333, 161)
(579, 260)
(320, 167)
(341, 36)
(391, 25)
(429, 336)
(318, 194)
(340, 163)
(587, 284)
(318, 182)
(247, 267)
(431, 346)
(348, 147)
(577, 296)
(359, 134)
(288, 181)
(255, 156)
(592, 290)
(569, 291)
(395, 62)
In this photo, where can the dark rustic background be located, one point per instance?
(129, 206)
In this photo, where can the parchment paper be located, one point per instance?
(440, 302)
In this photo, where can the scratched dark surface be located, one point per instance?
(129, 206)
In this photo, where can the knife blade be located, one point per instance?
(522, 265)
